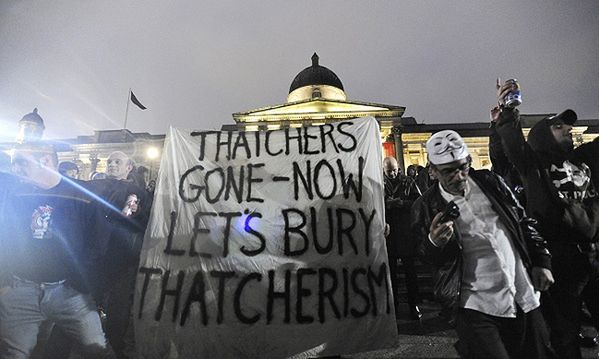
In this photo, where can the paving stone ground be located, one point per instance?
(430, 338)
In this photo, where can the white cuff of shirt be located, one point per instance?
(429, 238)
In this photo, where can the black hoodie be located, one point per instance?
(560, 188)
(571, 176)
(560, 192)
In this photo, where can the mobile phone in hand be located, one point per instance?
(450, 213)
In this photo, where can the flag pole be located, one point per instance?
(127, 111)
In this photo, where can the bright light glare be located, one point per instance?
(7, 132)
(152, 153)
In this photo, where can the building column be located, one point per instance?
(397, 131)
(93, 160)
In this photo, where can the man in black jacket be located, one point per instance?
(126, 210)
(561, 185)
(489, 262)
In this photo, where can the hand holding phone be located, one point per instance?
(450, 213)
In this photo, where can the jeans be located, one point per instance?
(25, 305)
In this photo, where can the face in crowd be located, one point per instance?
(562, 133)
(449, 161)
(34, 164)
(390, 167)
(23, 164)
(118, 166)
(68, 169)
(411, 171)
(453, 176)
(72, 174)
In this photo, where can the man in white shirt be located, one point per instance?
(489, 262)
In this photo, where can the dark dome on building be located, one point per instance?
(315, 75)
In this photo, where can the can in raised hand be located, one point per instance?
(514, 97)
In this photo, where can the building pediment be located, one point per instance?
(319, 109)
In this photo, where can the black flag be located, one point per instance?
(136, 101)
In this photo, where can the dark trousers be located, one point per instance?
(575, 274)
(590, 296)
(411, 278)
(561, 307)
(490, 337)
(119, 319)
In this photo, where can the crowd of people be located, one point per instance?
(513, 251)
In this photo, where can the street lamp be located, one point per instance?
(152, 153)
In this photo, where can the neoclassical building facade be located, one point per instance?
(316, 96)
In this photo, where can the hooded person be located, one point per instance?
(560, 183)
(561, 192)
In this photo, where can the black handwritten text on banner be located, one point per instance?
(266, 245)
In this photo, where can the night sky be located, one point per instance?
(194, 63)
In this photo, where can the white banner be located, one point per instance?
(266, 245)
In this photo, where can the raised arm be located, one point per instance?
(499, 161)
(509, 128)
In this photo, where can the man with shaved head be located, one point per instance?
(126, 209)
(118, 165)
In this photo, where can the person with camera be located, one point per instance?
(561, 193)
(489, 262)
